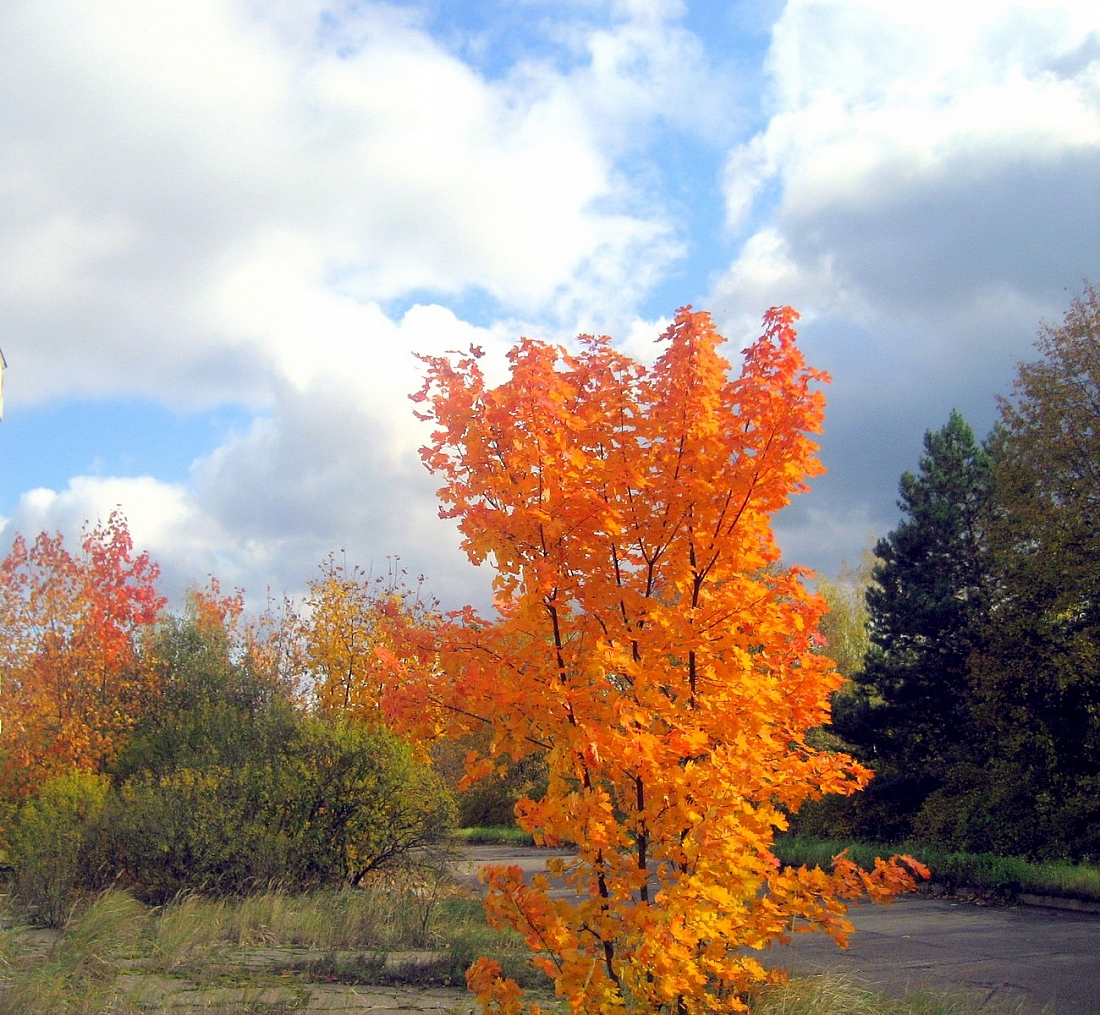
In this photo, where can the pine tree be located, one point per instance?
(912, 703)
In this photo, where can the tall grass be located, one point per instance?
(395, 929)
(79, 975)
(402, 910)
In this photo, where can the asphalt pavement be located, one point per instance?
(1029, 959)
(1020, 958)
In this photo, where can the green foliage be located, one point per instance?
(911, 707)
(362, 800)
(490, 801)
(194, 829)
(55, 842)
(214, 708)
(845, 626)
(1039, 678)
(227, 785)
(202, 780)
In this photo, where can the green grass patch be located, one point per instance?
(1005, 877)
(495, 835)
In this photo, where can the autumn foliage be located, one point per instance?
(349, 631)
(649, 643)
(70, 628)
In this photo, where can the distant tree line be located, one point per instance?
(975, 695)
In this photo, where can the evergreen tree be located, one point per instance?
(910, 706)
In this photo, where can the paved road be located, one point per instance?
(1012, 956)
(1022, 956)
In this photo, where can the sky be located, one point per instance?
(226, 226)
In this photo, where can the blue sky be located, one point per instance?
(226, 226)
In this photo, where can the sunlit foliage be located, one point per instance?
(648, 641)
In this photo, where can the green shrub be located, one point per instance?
(56, 844)
(338, 802)
(193, 829)
(363, 802)
(226, 785)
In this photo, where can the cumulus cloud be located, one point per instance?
(924, 190)
(152, 151)
(217, 202)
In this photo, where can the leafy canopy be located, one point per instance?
(1038, 680)
(71, 627)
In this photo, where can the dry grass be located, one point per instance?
(217, 956)
(836, 995)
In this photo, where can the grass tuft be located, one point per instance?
(79, 974)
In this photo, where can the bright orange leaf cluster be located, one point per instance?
(70, 627)
(650, 644)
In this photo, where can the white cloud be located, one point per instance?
(156, 154)
(161, 517)
(924, 191)
(220, 201)
(906, 147)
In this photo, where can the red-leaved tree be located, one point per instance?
(70, 632)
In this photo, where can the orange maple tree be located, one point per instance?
(648, 641)
(70, 627)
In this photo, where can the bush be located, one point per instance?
(56, 844)
(193, 830)
(364, 802)
(227, 784)
(338, 802)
